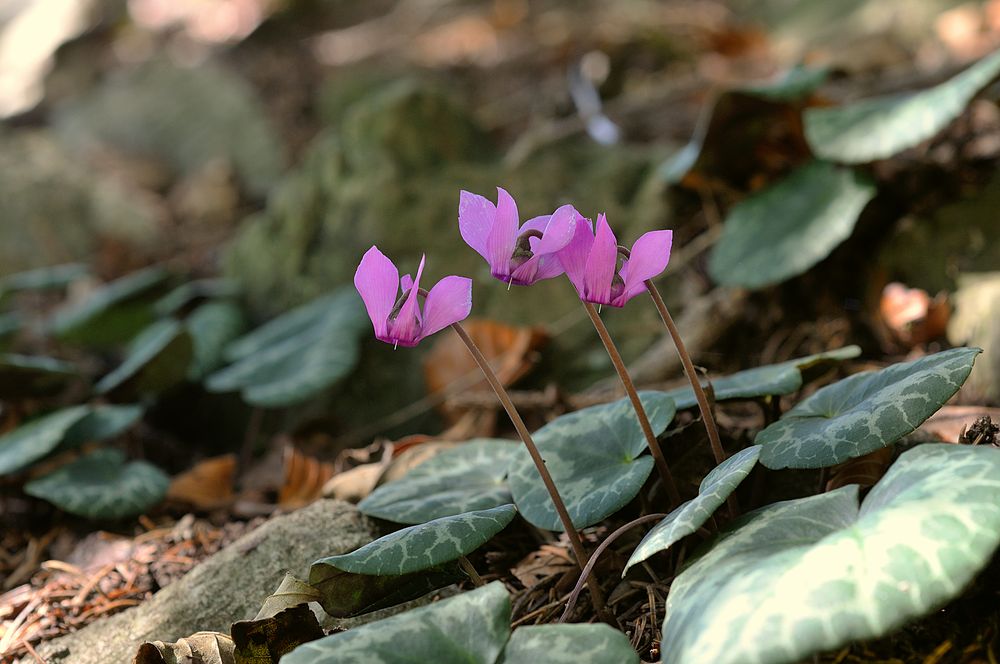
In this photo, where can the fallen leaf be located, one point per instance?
(912, 316)
(291, 592)
(207, 485)
(353, 485)
(304, 479)
(199, 648)
(864, 471)
(547, 561)
(402, 463)
(265, 640)
(511, 352)
(949, 423)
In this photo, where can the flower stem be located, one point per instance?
(608, 541)
(470, 570)
(640, 412)
(574, 537)
(699, 394)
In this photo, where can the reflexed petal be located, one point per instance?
(376, 280)
(649, 257)
(475, 219)
(558, 232)
(406, 326)
(601, 263)
(448, 302)
(573, 257)
(405, 282)
(549, 266)
(503, 235)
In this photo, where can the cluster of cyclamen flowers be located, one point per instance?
(519, 254)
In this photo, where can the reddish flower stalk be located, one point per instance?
(515, 417)
(640, 412)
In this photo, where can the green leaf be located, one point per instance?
(296, 355)
(101, 423)
(10, 322)
(212, 327)
(568, 644)
(595, 458)
(793, 84)
(864, 412)
(45, 278)
(156, 360)
(101, 485)
(191, 292)
(772, 379)
(425, 545)
(880, 127)
(470, 628)
(784, 230)
(717, 486)
(809, 575)
(467, 478)
(32, 441)
(26, 376)
(111, 314)
(343, 594)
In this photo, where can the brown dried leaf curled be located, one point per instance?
(199, 648)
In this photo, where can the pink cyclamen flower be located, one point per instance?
(399, 321)
(517, 255)
(591, 263)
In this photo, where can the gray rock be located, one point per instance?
(229, 586)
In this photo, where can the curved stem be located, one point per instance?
(640, 412)
(609, 540)
(699, 394)
(574, 537)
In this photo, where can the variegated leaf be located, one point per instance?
(864, 412)
(717, 486)
(878, 128)
(808, 575)
(30, 442)
(773, 379)
(471, 628)
(568, 644)
(102, 485)
(595, 457)
(466, 478)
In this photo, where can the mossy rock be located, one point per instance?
(186, 117)
(56, 210)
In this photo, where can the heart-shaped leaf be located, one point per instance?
(30, 442)
(101, 485)
(101, 423)
(156, 360)
(212, 327)
(812, 574)
(192, 292)
(595, 458)
(423, 546)
(111, 314)
(568, 644)
(467, 478)
(471, 628)
(864, 412)
(717, 486)
(773, 379)
(27, 376)
(784, 230)
(296, 355)
(878, 128)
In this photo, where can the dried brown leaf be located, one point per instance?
(864, 470)
(950, 422)
(549, 560)
(304, 479)
(207, 485)
(199, 648)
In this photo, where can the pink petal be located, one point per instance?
(573, 257)
(649, 257)
(406, 327)
(549, 266)
(503, 235)
(558, 232)
(376, 280)
(475, 219)
(405, 282)
(535, 224)
(601, 264)
(448, 302)
(525, 274)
